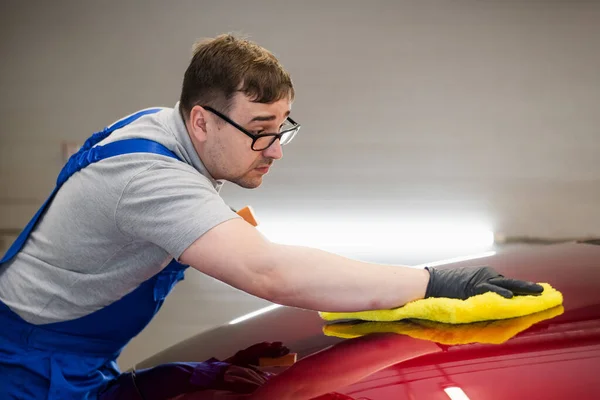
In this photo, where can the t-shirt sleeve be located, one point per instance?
(170, 205)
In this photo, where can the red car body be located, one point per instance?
(558, 358)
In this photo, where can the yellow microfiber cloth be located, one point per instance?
(483, 307)
(489, 332)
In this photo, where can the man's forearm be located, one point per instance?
(317, 280)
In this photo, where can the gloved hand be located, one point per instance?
(462, 283)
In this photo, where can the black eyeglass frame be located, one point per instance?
(255, 137)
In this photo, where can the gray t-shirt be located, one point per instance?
(113, 225)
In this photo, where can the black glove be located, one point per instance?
(462, 283)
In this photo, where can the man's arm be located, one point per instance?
(236, 253)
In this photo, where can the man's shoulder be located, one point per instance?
(153, 126)
(164, 127)
(147, 169)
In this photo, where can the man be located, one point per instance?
(139, 204)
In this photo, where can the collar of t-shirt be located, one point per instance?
(174, 119)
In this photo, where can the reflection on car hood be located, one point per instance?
(555, 355)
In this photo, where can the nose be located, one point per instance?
(274, 151)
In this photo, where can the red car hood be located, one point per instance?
(558, 358)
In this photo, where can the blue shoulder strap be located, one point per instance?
(87, 155)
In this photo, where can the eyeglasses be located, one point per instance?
(263, 141)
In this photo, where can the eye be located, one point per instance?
(258, 132)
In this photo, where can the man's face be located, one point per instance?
(226, 152)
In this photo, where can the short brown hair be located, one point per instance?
(224, 65)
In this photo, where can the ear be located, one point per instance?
(197, 123)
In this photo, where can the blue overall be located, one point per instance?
(76, 359)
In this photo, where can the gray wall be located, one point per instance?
(483, 110)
